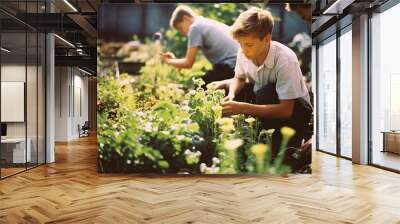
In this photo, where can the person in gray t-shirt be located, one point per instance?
(211, 37)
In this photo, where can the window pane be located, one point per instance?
(346, 94)
(327, 97)
(385, 88)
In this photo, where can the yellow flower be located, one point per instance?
(227, 128)
(225, 121)
(287, 132)
(259, 149)
(233, 144)
(226, 124)
(193, 127)
(250, 120)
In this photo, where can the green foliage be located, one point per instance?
(205, 109)
(166, 122)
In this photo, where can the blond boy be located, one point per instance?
(211, 37)
(281, 96)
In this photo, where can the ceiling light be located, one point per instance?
(65, 41)
(5, 50)
(70, 5)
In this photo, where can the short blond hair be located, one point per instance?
(255, 22)
(179, 12)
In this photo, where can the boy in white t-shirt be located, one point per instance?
(281, 96)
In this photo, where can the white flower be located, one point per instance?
(139, 113)
(187, 152)
(180, 137)
(128, 161)
(250, 120)
(197, 153)
(101, 156)
(147, 127)
(192, 92)
(186, 108)
(165, 132)
(101, 145)
(213, 170)
(233, 144)
(174, 127)
(203, 167)
(215, 160)
(270, 131)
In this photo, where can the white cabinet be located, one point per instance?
(17, 148)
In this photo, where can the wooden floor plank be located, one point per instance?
(71, 191)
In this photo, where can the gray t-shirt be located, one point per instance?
(213, 38)
(280, 66)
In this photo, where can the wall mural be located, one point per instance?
(204, 88)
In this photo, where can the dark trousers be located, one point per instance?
(217, 73)
(300, 121)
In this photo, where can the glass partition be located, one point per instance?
(15, 149)
(22, 88)
(385, 89)
(327, 96)
(346, 93)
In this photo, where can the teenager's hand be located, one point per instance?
(306, 144)
(169, 55)
(166, 56)
(232, 108)
(230, 97)
(217, 85)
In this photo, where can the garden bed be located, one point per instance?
(164, 122)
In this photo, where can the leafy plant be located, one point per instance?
(166, 122)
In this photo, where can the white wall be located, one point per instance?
(12, 73)
(71, 93)
(16, 73)
(62, 81)
(34, 125)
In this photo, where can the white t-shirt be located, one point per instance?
(280, 66)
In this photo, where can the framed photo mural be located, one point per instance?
(204, 88)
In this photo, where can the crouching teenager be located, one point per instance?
(280, 95)
(211, 37)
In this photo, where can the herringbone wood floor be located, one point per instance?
(71, 191)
